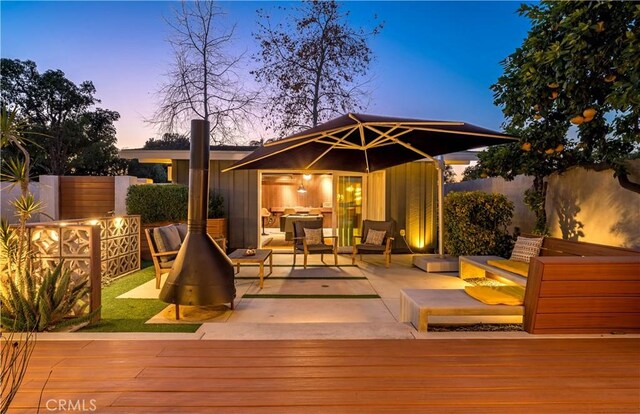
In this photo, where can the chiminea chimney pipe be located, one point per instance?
(202, 274)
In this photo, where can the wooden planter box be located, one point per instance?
(215, 228)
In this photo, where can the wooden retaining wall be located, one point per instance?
(86, 196)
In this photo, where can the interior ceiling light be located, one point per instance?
(307, 177)
(301, 189)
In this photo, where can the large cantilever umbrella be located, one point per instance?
(368, 143)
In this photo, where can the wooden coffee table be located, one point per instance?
(237, 257)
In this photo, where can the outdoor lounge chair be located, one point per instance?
(301, 241)
(164, 246)
(372, 244)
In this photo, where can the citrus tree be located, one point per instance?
(571, 92)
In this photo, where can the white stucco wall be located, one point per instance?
(591, 206)
(581, 204)
(9, 193)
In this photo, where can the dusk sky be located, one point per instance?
(434, 60)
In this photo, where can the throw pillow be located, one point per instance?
(526, 248)
(375, 237)
(313, 236)
(167, 239)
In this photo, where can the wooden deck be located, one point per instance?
(378, 376)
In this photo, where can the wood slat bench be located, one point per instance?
(573, 287)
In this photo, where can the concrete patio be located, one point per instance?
(345, 302)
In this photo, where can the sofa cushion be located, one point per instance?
(513, 266)
(167, 239)
(182, 230)
(526, 248)
(497, 295)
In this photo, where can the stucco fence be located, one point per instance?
(582, 204)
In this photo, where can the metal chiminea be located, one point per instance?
(202, 274)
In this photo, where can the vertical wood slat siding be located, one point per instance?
(86, 197)
(239, 190)
(411, 203)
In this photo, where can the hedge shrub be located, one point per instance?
(167, 202)
(158, 202)
(475, 223)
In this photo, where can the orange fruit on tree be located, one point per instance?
(599, 27)
(610, 78)
(553, 95)
(536, 108)
(537, 117)
(553, 85)
(483, 175)
(589, 113)
(549, 151)
(559, 148)
(577, 120)
(526, 146)
(588, 119)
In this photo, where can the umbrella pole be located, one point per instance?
(440, 171)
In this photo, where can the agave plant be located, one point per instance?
(44, 305)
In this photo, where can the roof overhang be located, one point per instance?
(167, 156)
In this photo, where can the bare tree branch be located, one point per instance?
(314, 65)
(204, 80)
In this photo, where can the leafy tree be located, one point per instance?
(97, 139)
(157, 172)
(312, 64)
(448, 174)
(169, 141)
(63, 130)
(203, 81)
(578, 66)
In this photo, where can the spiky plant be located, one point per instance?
(43, 306)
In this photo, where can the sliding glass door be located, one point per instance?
(349, 207)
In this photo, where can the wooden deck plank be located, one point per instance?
(529, 376)
(321, 361)
(582, 383)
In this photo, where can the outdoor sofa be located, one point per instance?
(571, 287)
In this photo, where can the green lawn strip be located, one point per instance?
(306, 278)
(130, 315)
(300, 296)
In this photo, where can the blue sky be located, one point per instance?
(434, 60)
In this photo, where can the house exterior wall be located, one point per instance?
(411, 201)
(239, 189)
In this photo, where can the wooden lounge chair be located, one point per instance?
(301, 244)
(384, 247)
(164, 256)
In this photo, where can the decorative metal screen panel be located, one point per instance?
(54, 242)
(119, 246)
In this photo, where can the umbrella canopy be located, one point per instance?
(368, 143)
